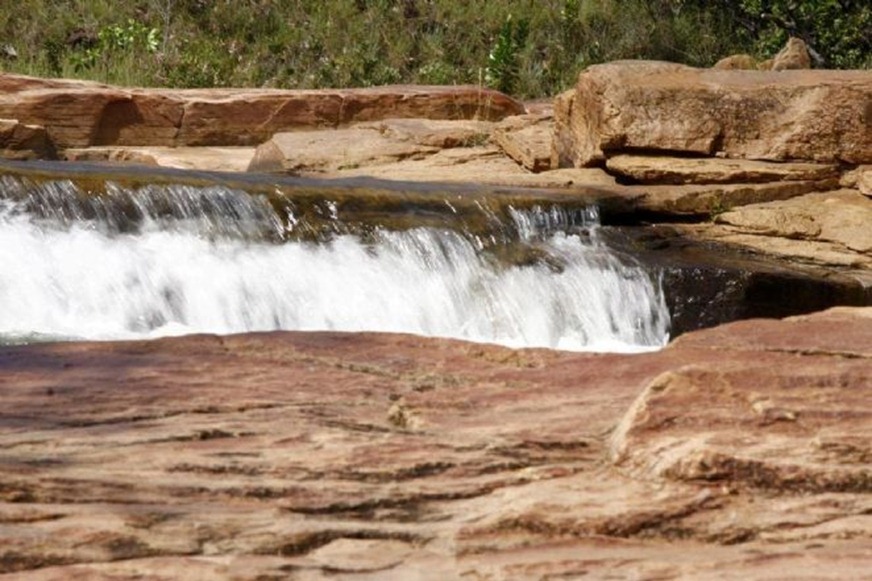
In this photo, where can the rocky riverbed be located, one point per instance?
(742, 451)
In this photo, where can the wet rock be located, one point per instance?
(666, 108)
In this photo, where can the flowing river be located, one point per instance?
(155, 260)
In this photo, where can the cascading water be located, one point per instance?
(162, 260)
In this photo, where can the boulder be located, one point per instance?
(19, 141)
(648, 169)
(527, 140)
(736, 61)
(744, 448)
(628, 106)
(794, 55)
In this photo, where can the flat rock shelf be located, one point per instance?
(739, 452)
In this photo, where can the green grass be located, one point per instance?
(529, 48)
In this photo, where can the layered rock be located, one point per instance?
(527, 140)
(681, 170)
(627, 106)
(743, 448)
(364, 145)
(83, 114)
(825, 229)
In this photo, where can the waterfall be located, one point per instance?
(153, 261)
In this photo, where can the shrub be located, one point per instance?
(529, 48)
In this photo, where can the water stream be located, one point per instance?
(157, 260)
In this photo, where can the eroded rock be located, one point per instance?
(259, 455)
(842, 217)
(527, 140)
(818, 115)
(713, 170)
(332, 150)
(83, 114)
(19, 141)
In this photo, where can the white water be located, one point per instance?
(76, 278)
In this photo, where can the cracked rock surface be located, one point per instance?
(739, 452)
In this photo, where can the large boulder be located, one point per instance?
(631, 106)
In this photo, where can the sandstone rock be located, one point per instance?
(766, 65)
(628, 106)
(443, 134)
(842, 217)
(772, 423)
(794, 55)
(81, 114)
(681, 170)
(708, 200)
(485, 165)
(71, 115)
(268, 454)
(331, 150)
(234, 159)
(18, 141)
(833, 257)
(527, 140)
(864, 180)
(736, 61)
(567, 123)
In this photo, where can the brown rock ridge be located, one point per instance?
(740, 452)
(79, 114)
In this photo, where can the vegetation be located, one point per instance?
(528, 48)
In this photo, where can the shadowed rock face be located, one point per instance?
(741, 452)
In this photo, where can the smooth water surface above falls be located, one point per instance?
(160, 260)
